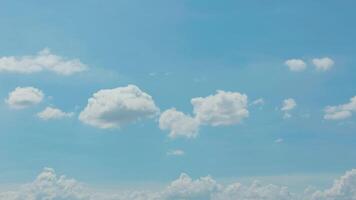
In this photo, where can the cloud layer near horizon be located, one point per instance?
(49, 186)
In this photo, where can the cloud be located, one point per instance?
(114, 108)
(223, 108)
(288, 104)
(296, 65)
(258, 102)
(48, 185)
(187, 188)
(176, 152)
(179, 124)
(323, 64)
(343, 188)
(23, 97)
(50, 113)
(43, 61)
(341, 111)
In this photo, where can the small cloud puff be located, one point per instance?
(51, 113)
(176, 152)
(323, 64)
(23, 97)
(288, 104)
(296, 65)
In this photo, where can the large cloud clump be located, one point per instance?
(114, 108)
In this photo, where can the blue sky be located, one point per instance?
(175, 51)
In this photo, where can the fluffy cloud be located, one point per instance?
(187, 188)
(49, 186)
(176, 152)
(43, 61)
(223, 108)
(296, 65)
(113, 108)
(288, 104)
(50, 113)
(341, 111)
(323, 64)
(179, 124)
(343, 189)
(23, 97)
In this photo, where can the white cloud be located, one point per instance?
(49, 186)
(343, 189)
(176, 152)
(43, 61)
(50, 113)
(223, 108)
(256, 191)
(179, 124)
(23, 97)
(187, 188)
(296, 65)
(323, 64)
(288, 104)
(113, 108)
(341, 111)
(258, 102)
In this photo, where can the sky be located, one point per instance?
(136, 94)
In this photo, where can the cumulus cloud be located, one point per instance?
(342, 189)
(23, 97)
(187, 188)
(179, 124)
(296, 65)
(288, 104)
(50, 113)
(114, 108)
(49, 186)
(223, 108)
(43, 61)
(176, 152)
(323, 64)
(341, 111)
